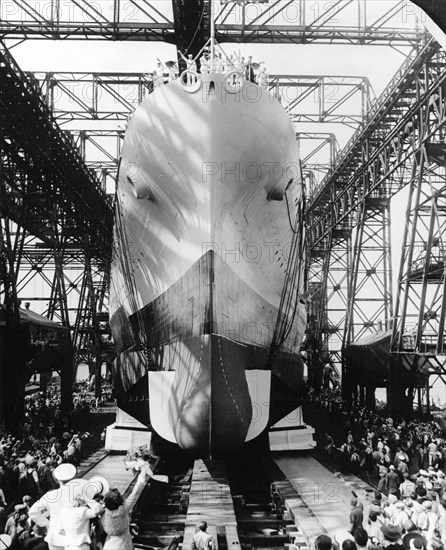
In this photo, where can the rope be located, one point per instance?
(295, 271)
(122, 251)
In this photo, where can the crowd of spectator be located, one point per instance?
(372, 442)
(28, 458)
(405, 513)
(406, 461)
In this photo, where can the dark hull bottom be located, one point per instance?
(212, 373)
(211, 408)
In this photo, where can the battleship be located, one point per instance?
(207, 288)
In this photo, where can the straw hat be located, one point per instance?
(96, 485)
(414, 541)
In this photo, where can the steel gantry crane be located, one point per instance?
(53, 210)
(348, 215)
(402, 144)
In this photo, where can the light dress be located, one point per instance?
(116, 523)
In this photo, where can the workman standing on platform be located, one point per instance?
(202, 539)
(46, 511)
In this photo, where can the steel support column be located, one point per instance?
(418, 339)
(14, 338)
(375, 165)
(370, 281)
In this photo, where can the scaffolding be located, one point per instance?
(279, 21)
(351, 206)
(52, 207)
(51, 201)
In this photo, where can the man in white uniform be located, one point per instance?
(45, 512)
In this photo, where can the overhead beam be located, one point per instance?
(41, 165)
(186, 23)
(114, 96)
(374, 161)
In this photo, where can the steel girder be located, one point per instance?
(54, 167)
(186, 24)
(49, 197)
(369, 287)
(318, 151)
(376, 164)
(303, 22)
(329, 99)
(82, 19)
(328, 272)
(94, 101)
(77, 96)
(419, 333)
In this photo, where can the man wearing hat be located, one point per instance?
(414, 541)
(46, 511)
(392, 537)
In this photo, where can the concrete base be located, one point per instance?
(291, 434)
(126, 432)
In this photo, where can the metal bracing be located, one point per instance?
(299, 21)
(337, 292)
(421, 298)
(187, 24)
(50, 167)
(369, 288)
(36, 274)
(78, 96)
(375, 165)
(87, 99)
(374, 161)
(105, 19)
(329, 269)
(329, 99)
(318, 151)
(50, 201)
(101, 150)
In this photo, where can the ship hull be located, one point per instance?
(202, 252)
